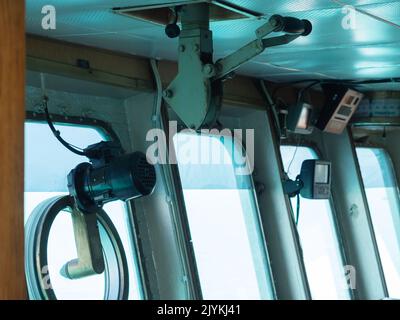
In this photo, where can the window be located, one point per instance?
(318, 237)
(47, 164)
(383, 201)
(223, 219)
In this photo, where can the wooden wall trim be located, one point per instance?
(12, 114)
(133, 72)
(119, 69)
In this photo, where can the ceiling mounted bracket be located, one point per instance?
(196, 93)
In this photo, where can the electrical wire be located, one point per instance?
(305, 89)
(343, 81)
(291, 161)
(57, 133)
(272, 105)
(294, 156)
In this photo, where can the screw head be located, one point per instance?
(168, 93)
(209, 70)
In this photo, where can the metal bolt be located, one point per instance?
(354, 210)
(259, 45)
(209, 70)
(168, 94)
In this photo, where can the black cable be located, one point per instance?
(305, 89)
(324, 81)
(298, 209)
(57, 134)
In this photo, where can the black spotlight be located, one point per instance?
(111, 175)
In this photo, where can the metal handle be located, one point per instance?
(88, 244)
(291, 25)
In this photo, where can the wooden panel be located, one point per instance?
(133, 72)
(57, 57)
(12, 82)
(114, 68)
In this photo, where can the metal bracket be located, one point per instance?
(191, 92)
(196, 93)
(293, 28)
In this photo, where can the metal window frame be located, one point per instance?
(336, 225)
(264, 244)
(392, 168)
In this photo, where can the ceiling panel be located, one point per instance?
(370, 50)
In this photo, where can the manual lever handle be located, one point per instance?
(291, 25)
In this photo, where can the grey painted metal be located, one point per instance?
(172, 183)
(163, 255)
(195, 68)
(248, 52)
(277, 218)
(353, 214)
(90, 259)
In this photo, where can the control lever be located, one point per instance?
(90, 259)
(199, 79)
(292, 27)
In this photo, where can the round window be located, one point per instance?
(50, 244)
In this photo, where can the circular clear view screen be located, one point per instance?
(61, 249)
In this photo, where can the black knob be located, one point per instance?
(291, 25)
(172, 30)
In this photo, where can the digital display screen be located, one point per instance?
(321, 173)
(304, 118)
(345, 111)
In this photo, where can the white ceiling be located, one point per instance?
(370, 51)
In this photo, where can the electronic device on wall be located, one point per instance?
(300, 118)
(340, 104)
(313, 182)
(316, 177)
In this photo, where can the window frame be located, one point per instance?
(105, 129)
(292, 142)
(375, 145)
(257, 212)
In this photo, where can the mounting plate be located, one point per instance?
(159, 14)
